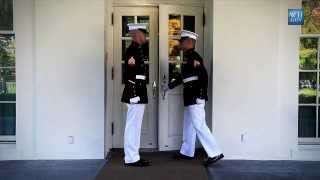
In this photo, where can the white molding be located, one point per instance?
(7, 139)
(108, 79)
(7, 32)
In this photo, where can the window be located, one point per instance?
(7, 73)
(309, 92)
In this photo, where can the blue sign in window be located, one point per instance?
(295, 17)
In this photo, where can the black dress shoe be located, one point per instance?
(140, 163)
(213, 160)
(179, 156)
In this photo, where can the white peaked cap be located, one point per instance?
(189, 34)
(136, 26)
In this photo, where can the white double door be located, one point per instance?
(163, 118)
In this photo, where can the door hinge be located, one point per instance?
(112, 19)
(112, 128)
(112, 73)
(203, 19)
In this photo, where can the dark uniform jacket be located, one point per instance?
(194, 79)
(135, 76)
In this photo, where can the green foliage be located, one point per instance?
(308, 92)
(307, 95)
(311, 17)
(7, 68)
(308, 43)
(307, 87)
(308, 58)
(7, 50)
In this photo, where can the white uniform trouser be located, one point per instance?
(195, 125)
(132, 132)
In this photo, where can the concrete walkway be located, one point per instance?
(264, 170)
(164, 166)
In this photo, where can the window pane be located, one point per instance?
(307, 121)
(174, 59)
(311, 17)
(7, 119)
(174, 49)
(6, 15)
(189, 23)
(7, 84)
(318, 121)
(308, 59)
(174, 71)
(307, 87)
(7, 50)
(174, 24)
(144, 19)
(125, 21)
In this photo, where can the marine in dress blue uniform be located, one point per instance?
(135, 93)
(194, 78)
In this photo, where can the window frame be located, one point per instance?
(9, 139)
(311, 140)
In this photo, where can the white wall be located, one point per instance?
(157, 2)
(255, 80)
(69, 78)
(108, 78)
(60, 80)
(208, 49)
(25, 69)
(245, 73)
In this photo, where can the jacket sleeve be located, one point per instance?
(129, 70)
(203, 79)
(174, 82)
(202, 74)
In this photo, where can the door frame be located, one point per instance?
(149, 131)
(109, 8)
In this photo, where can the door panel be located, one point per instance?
(172, 19)
(123, 16)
